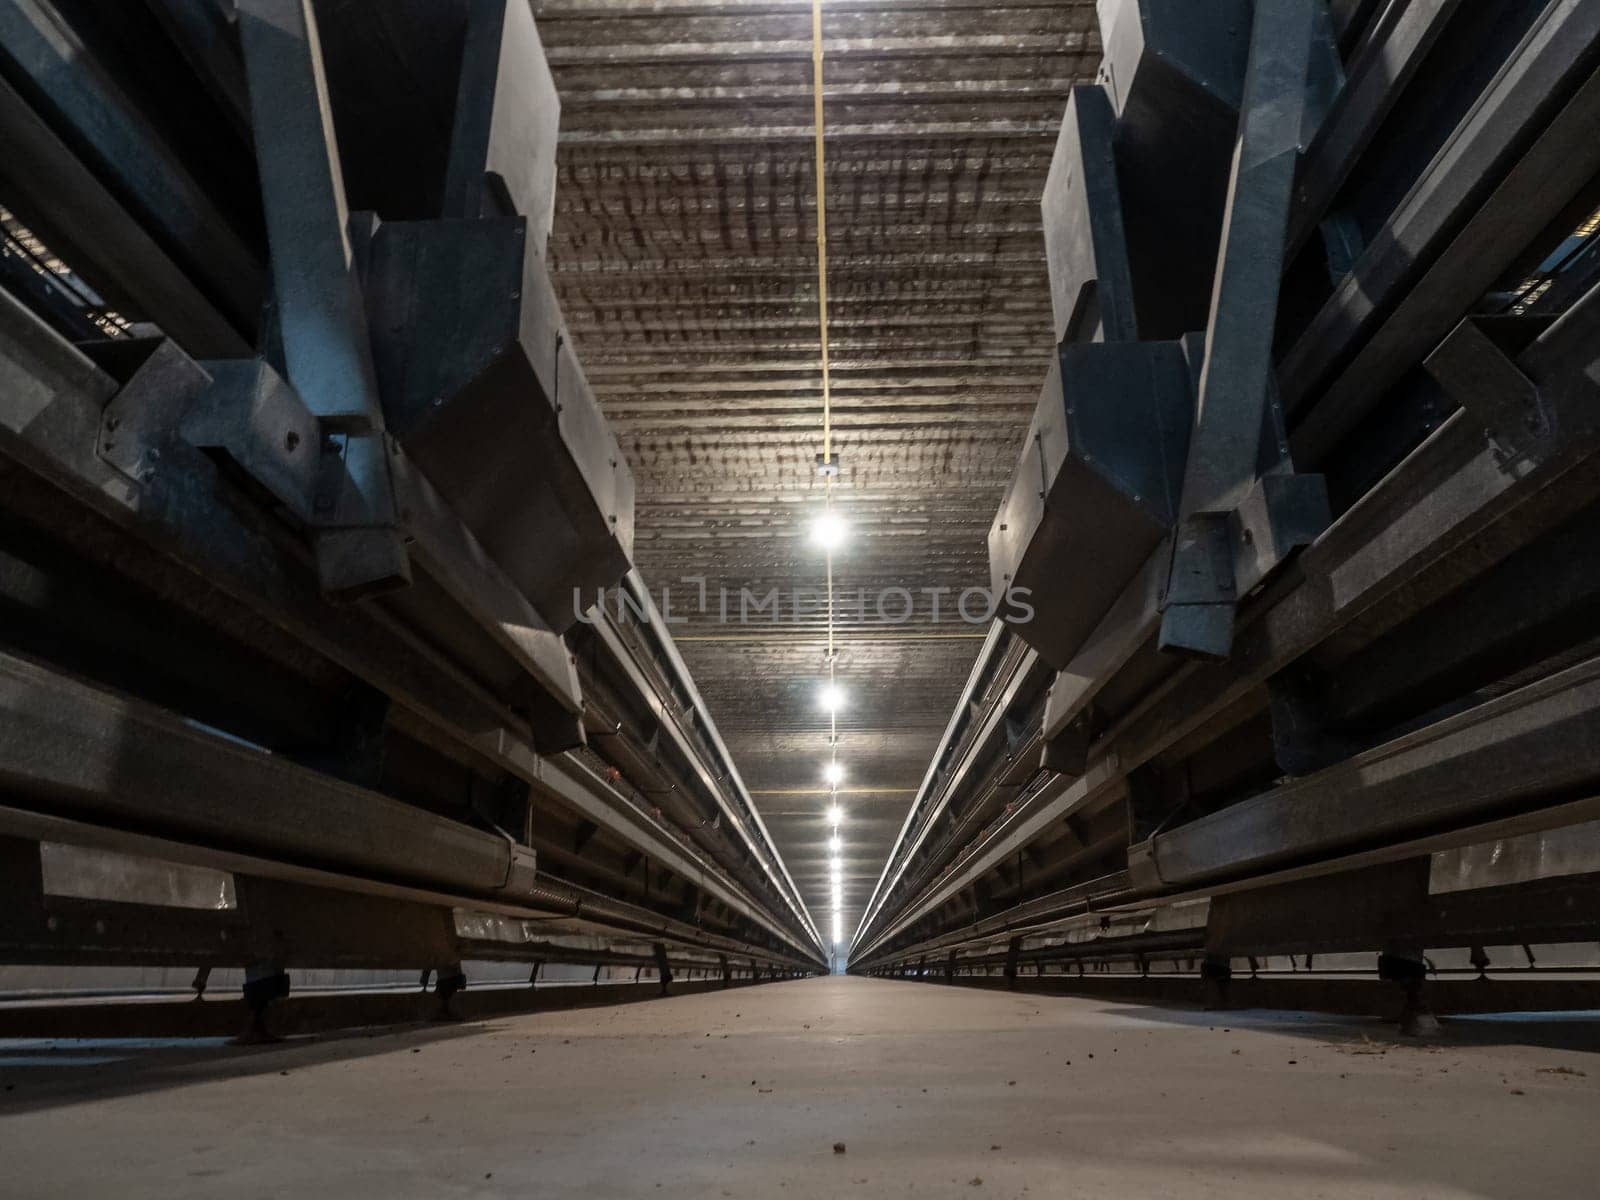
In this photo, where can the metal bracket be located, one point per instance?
(140, 423)
(1197, 610)
(313, 466)
(1143, 872)
(243, 409)
(1280, 514)
(1068, 752)
(332, 479)
(251, 414)
(1476, 372)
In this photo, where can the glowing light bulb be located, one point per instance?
(835, 814)
(830, 699)
(833, 773)
(829, 531)
(835, 843)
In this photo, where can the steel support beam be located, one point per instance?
(1237, 427)
(317, 306)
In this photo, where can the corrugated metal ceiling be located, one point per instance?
(685, 254)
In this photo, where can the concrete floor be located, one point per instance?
(934, 1091)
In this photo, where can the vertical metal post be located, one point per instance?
(327, 354)
(264, 982)
(663, 967)
(1216, 974)
(1408, 966)
(450, 981)
(1236, 405)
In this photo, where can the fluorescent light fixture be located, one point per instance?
(830, 698)
(833, 773)
(829, 531)
(835, 814)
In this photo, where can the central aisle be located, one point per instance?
(933, 1091)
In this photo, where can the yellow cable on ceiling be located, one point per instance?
(822, 230)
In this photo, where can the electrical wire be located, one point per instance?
(827, 407)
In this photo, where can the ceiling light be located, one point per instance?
(835, 843)
(835, 863)
(829, 531)
(830, 698)
(833, 773)
(835, 814)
